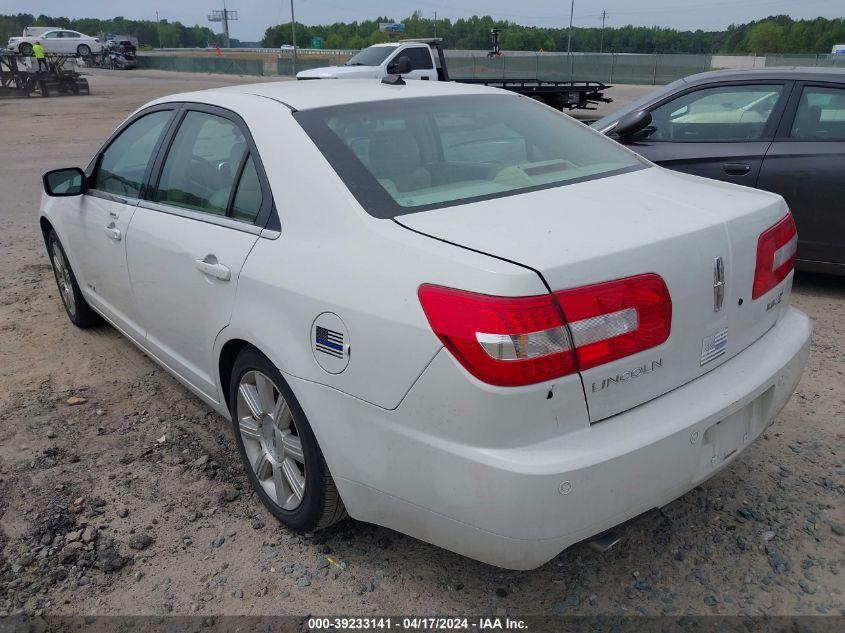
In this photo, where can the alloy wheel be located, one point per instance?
(271, 440)
(63, 278)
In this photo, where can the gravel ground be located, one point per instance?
(121, 493)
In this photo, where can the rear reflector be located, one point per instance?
(512, 341)
(776, 250)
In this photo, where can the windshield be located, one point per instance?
(372, 56)
(610, 119)
(406, 155)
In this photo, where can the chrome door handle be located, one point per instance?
(112, 232)
(214, 269)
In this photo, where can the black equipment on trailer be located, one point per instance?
(17, 80)
(14, 80)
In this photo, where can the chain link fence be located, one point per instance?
(189, 64)
(826, 61)
(609, 68)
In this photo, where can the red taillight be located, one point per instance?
(776, 250)
(506, 341)
(511, 341)
(618, 318)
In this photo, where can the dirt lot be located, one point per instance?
(121, 493)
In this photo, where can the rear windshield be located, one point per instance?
(372, 56)
(406, 155)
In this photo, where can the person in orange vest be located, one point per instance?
(38, 51)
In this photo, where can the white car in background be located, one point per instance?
(62, 41)
(444, 309)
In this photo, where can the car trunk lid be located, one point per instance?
(694, 233)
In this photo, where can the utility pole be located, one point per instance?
(293, 35)
(603, 18)
(226, 25)
(569, 32)
(435, 24)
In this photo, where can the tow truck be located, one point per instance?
(428, 63)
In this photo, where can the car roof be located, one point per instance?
(318, 93)
(811, 73)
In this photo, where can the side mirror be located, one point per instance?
(399, 66)
(632, 123)
(61, 183)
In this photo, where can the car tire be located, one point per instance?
(77, 308)
(265, 432)
(83, 50)
(25, 49)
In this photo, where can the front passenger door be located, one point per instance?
(97, 234)
(719, 132)
(188, 243)
(422, 64)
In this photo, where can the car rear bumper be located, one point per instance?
(519, 506)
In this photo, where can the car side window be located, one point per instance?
(820, 115)
(722, 113)
(52, 35)
(202, 164)
(420, 58)
(248, 197)
(69, 34)
(123, 164)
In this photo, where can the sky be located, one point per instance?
(256, 15)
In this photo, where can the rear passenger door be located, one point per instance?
(70, 41)
(189, 241)
(716, 131)
(806, 165)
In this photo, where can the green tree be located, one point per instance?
(766, 37)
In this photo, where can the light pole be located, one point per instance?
(569, 33)
(293, 35)
(601, 42)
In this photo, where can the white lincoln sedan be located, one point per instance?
(444, 309)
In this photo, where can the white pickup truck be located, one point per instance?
(428, 62)
(372, 62)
